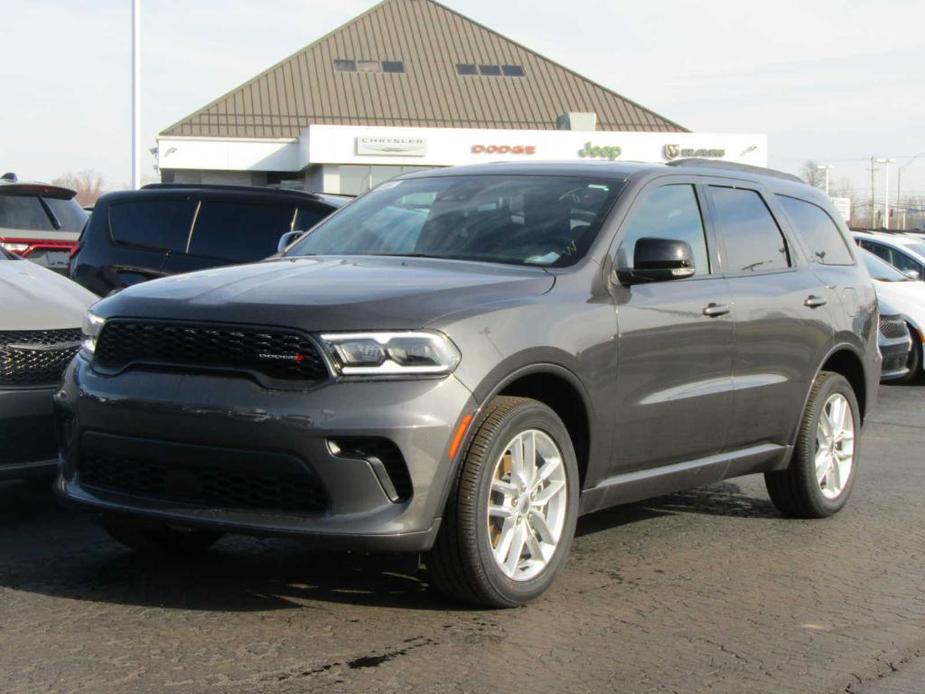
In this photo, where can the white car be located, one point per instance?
(41, 313)
(905, 252)
(906, 297)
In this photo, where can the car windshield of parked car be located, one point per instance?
(882, 271)
(549, 221)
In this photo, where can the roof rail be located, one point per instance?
(733, 166)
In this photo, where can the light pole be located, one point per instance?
(826, 168)
(136, 94)
(886, 189)
(899, 183)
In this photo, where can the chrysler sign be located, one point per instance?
(391, 146)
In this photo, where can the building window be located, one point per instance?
(490, 70)
(392, 66)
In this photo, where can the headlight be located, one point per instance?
(391, 354)
(92, 326)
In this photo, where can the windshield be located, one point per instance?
(548, 221)
(916, 248)
(881, 270)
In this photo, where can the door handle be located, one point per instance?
(814, 301)
(713, 310)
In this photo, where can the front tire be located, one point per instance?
(823, 468)
(159, 538)
(510, 520)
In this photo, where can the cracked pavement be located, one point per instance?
(707, 590)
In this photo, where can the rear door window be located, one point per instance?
(826, 244)
(70, 215)
(753, 241)
(240, 231)
(24, 212)
(669, 212)
(162, 224)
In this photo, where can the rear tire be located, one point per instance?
(160, 538)
(503, 541)
(823, 468)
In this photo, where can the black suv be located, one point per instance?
(167, 228)
(463, 361)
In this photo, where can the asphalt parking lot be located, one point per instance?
(708, 590)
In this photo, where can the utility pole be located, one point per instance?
(873, 209)
(136, 94)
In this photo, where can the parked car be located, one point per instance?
(904, 297)
(895, 343)
(905, 252)
(40, 317)
(166, 229)
(39, 222)
(464, 360)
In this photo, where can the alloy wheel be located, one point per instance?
(834, 446)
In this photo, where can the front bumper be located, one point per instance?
(895, 353)
(185, 421)
(27, 435)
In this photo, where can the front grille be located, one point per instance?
(210, 486)
(36, 357)
(273, 352)
(893, 326)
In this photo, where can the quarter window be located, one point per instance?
(669, 212)
(826, 244)
(157, 224)
(239, 231)
(752, 239)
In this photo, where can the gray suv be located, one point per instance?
(463, 361)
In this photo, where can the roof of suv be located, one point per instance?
(620, 170)
(155, 190)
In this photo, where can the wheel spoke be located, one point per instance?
(529, 458)
(496, 511)
(504, 544)
(534, 547)
(832, 477)
(538, 522)
(825, 423)
(502, 487)
(544, 495)
(549, 467)
(823, 462)
(516, 548)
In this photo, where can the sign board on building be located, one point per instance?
(391, 146)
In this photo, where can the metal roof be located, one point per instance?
(430, 40)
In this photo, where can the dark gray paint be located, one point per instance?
(674, 397)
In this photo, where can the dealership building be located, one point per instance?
(410, 85)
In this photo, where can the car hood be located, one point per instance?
(327, 293)
(34, 298)
(907, 298)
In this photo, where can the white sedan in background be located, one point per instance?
(906, 296)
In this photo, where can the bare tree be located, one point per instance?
(87, 183)
(812, 174)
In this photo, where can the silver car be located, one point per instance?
(39, 334)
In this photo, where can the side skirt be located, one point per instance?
(645, 484)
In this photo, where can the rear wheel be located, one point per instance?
(159, 538)
(510, 519)
(821, 473)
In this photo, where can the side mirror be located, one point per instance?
(286, 239)
(659, 260)
(912, 274)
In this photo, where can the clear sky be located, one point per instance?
(831, 80)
